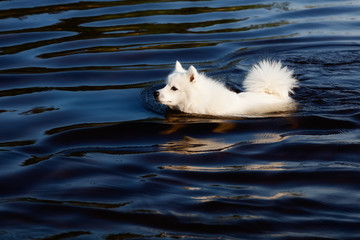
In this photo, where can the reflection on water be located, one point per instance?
(276, 196)
(189, 145)
(275, 166)
(87, 153)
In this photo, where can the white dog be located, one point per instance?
(267, 87)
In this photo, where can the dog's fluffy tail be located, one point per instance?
(270, 77)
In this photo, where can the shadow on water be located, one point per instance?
(87, 153)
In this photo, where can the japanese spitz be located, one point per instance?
(267, 88)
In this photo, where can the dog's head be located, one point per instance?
(178, 88)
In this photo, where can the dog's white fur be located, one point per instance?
(267, 88)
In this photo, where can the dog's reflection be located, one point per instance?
(190, 145)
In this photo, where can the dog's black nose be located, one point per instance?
(156, 94)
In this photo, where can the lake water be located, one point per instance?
(86, 152)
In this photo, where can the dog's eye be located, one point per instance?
(174, 89)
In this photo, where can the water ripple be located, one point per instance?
(87, 153)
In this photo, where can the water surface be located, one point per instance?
(86, 152)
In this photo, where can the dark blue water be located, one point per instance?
(86, 152)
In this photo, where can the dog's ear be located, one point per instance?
(192, 73)
(178, 67)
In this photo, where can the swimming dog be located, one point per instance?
(268, 86)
